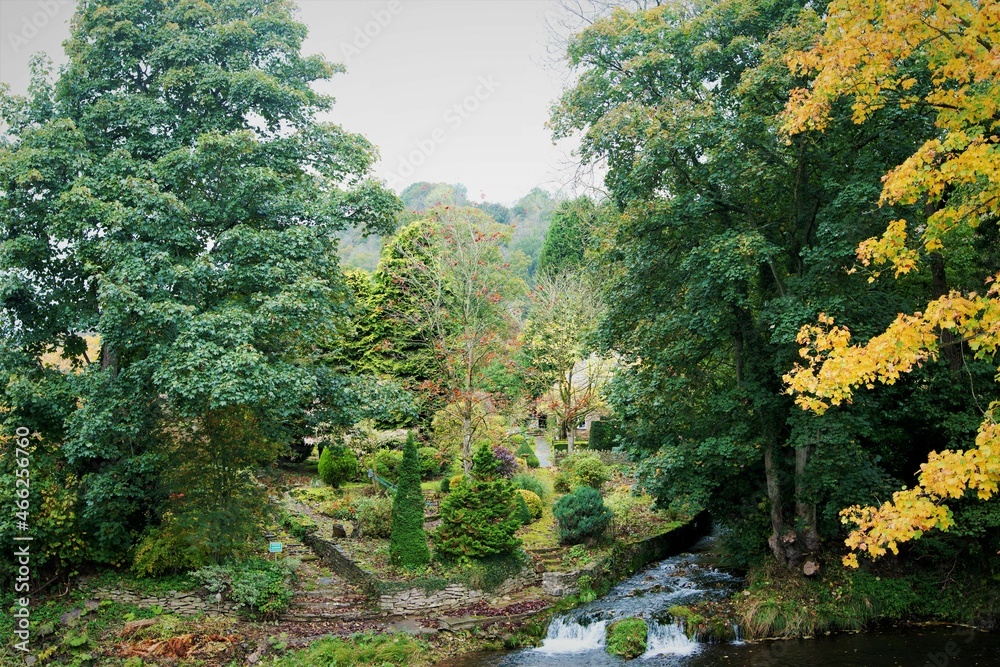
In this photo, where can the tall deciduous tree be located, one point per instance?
(562, 372)
(728, 239)
(448, 292)
(175, 194)
(941, 57)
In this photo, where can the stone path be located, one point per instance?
(543, 452)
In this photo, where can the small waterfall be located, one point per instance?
(568, 636)
(668, 639)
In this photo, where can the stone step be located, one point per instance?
(323, 605)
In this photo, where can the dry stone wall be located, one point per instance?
(183, 603)
(453, 596)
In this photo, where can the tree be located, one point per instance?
(448, 290)
(567, 237)
(728, 239)
(561, 372)
(478, 517)
(408, 542)
(174, 194)
(940, 57)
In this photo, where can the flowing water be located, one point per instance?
(576, 638)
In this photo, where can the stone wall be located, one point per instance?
(333, 557)
(453, 596)
(184, 603)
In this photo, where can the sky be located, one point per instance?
(454, 91)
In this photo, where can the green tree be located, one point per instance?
(174, 194)
(561, 373)
(568, 236)
(727, 241)
(478, 517)
(407, 541)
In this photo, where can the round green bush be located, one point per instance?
(590, 471)
(445, 485)
(517, 439)
(531, 483)
(582, 515)
(337, 465)
(627, 638)
(430, 462)
(387, 463)
(533, 502)
(563, 482)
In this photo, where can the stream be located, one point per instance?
(576, 638)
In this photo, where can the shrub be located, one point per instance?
(531, 483)
(456, 481)
(408, 542)
(627, 638)
(260, 588)
(506, 461)
(522, 512)
(387, 463)
(517, 440)
(337, 464)
(603, 435)
(445, 485)
(338, 509)
(431, 462)
(165, 549)
(374, 516)
(589, 471)
(582, 515)
(477, 517)
(528, 454)
(563, 483)
(360, 650)
(533, 503)
(585, 468)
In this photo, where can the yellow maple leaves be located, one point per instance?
(876, 52)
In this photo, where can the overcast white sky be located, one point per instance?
(418, 60)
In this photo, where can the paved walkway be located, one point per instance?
(543, 452)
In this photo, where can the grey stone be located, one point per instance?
(71, 617)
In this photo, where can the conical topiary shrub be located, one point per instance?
(408, 542)
(479, 517)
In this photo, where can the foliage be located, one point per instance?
(567, 237)
(533, 503)
(586, 469)
(299, 526)
(603, 434)
(524, 451)
(361, 650)
(431, 462)
(506, 461)
(559, 369)
(477, 517)
(446, 427)
(563, 482)
(187, 218)
(445, 485)
(627, 638)
(521, 510)
(531, 483)
(956, 174)
(387, 463)
(337, 464)
(374, 516)
(582, 515)
(260, 588)
(408, 542)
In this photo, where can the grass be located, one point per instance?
(627, 638)
(365, 650)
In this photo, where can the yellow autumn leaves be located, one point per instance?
(874, 52)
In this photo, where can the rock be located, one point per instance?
(71, 617)
(134, 626)
(45, 629)
(810, 568)
(91, 605)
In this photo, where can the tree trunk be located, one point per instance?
(779, 539)
(467, 438)
(109, 359)
(951, 348)
(570, 437)
(805, 512)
